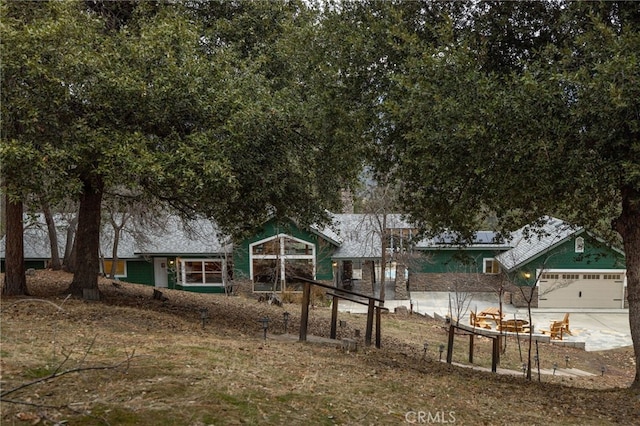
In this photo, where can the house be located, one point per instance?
(175, 254)
(564, 266)
(569, 267)
(448, 266)
(270, 260)
(357, 258)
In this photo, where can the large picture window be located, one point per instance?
(121, 266)
(277, 260)
(201, 272)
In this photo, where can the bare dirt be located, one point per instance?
(132, 359)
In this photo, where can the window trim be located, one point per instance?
(182, 272)
(494, 262)
(580, 272)
(282, 257)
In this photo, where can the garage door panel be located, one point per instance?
(581, 292)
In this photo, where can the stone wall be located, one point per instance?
(516, 296)
(401, 283)
(465, 282)
(453, 281)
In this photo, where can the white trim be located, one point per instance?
(201, 285)
(539, 273)
(494, 262)
(281, 257)
(182, 273)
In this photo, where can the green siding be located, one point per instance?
(201, 289)
(35, 264)
(324, 265)
(28, 264)
(596, 256)
(139, 272)
(324, 249)
(452, 260)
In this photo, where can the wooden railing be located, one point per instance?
(373, 309)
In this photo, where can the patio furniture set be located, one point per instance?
(493, 318)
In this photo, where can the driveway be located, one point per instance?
(599, 329)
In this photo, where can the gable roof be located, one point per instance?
(530, 242)
(328, 233)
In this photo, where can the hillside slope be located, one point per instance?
(146, 362)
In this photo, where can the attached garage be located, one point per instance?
(581, 289)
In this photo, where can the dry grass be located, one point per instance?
(225, 373)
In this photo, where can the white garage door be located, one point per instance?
(586, 289)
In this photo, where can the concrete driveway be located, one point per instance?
(599, 329)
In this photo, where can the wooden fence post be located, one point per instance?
(304, 319)
(334, 317)
(369, 331)
(378, 332)
(450, 344)
(495, 356)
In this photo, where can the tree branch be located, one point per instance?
(57, 373)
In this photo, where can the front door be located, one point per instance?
(160, 276)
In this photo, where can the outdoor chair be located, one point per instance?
(565, 324)
(556, 330)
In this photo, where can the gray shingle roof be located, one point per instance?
(356, 235)
(36, 238)
(194, 237)
(360, 234)
(198, 237)
(528, 243)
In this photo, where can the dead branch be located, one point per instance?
(57, 373)
(58, 307)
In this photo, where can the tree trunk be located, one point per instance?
(87, 241)
(69, 260)
(383, 257)
(53, 237)
(15, 280)
(114, 250)
(530, 335)
(627, 226)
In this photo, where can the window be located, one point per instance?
(266, 275)
(570, 276)
(398, 240)
(120, 267)
(271, 247)
(548, 276)
(612, 276)
(579, 245)
(201, 272)
(276, 260)
(297, 268)
(491, 266)
(591, 276)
